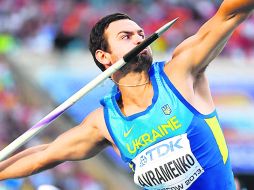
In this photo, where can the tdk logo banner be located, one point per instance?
(169, 163)
(158, 151)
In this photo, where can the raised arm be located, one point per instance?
(78, 143)
(194, 54)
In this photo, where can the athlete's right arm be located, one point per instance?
(78, 143)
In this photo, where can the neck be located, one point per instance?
(131, 80)
(135, 89)
(131, 85)
(135, 100)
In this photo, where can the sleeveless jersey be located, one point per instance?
(170, 145)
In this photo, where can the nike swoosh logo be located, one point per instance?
(126, 134)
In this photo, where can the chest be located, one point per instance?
(164, 118)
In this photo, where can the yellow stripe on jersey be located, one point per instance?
(219, 137)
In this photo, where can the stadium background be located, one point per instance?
(44, 60)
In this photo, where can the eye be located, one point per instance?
(125, 36)
(142, 35)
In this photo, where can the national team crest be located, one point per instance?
(166, 109)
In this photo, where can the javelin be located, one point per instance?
(44, 122)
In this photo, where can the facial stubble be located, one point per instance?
(140, 63)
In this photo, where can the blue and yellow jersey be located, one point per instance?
(170, 145)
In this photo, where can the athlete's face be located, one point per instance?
(122, 36)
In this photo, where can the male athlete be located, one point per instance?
(160, 117)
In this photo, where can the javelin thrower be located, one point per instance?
(160, 117)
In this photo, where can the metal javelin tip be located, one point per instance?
(165, 27)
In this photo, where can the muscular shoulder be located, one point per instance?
(96, 120)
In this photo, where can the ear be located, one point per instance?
(103, 57)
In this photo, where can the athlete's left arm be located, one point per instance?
(194, 54)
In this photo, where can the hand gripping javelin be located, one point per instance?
(44, 122)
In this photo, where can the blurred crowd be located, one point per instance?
(16, 116)
(46, 25)
(49, 24)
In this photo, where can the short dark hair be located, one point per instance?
(97, 38)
